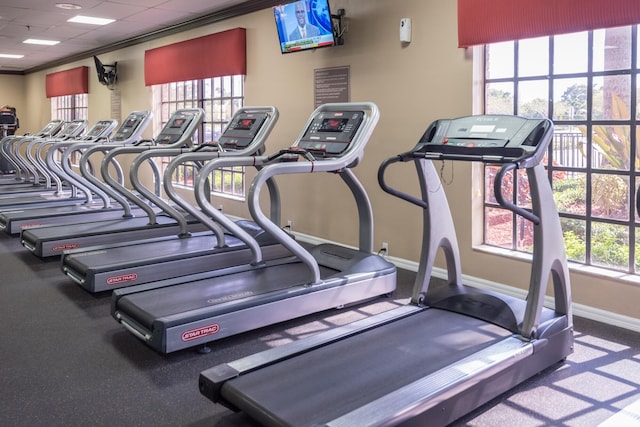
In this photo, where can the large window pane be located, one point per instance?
(610, 245)
(569, 148)
(570, 99)
(499, 98)
(499, 227)
(533, 99)
(574, 232)
(499, 60)
(533, 57)
(571, 53)
(593, 159)
(610, 196)
(611, 97)
(611, 147)
(612, 49)
(570, 192)
(220, 97)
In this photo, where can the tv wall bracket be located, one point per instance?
(338, 26)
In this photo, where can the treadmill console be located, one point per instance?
(331, 132)
(8, 118)
(72, 129)
(488, 138)
(101, 129)
(51, 128)
(181, 123)
(242, 130)
(131, 125)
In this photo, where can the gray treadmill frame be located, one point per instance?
(205, 259)
(51, 241)
(13, 221)
(447, 394)
(303, 295)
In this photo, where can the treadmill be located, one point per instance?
(453, 347)
(102, 268)
(12, 197)
(8, 125)
(47, 241)
(25, 174)
(13, 221)
(175, 314)
(24, 152)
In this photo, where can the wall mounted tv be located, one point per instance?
(304, 24)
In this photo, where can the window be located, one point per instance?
(588, 83)
(68, 108)
(220, 97)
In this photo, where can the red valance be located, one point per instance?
(68, 82)
(491, 21)
(215, 55)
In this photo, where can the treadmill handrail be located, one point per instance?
(145, 117)
(159, 202)
(206, 211)
(390, 190)
(175, 151)
(497, 191)
(71, 130)
(61, 173)
(184, 140)
(5, 145)
(37, 161)
(78, 145)
(349, 158)
(26, 146)
(199, 191)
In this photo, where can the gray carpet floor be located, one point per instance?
(64, 361)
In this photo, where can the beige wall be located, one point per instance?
(412, 85)
(12, 90)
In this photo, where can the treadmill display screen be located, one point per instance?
(130, 123)
(244, 124)
(177, 123)
(97, 130)
(333, 125)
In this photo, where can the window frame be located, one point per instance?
(630, 175)
(227, 182)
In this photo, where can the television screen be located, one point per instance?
(304, 24)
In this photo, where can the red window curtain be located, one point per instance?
(68, 82)
(491, 21)
(219, 54)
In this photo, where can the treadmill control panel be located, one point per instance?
(51, 128)
(8, 118)
(177, 126)
(72, 129)
(100, 129)
(242, 130)
(130, 126)
(488, 138)
(331, 132)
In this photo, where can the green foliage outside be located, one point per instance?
(610, 193)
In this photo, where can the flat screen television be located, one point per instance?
(304, 24)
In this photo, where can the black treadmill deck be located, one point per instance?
(368, 366)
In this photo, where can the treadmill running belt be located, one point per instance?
(371, 365)
(190, 301)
